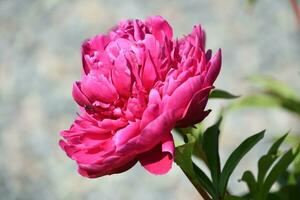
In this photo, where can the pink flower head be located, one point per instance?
(138, 83)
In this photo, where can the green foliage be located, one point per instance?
(235, 158)
(248, 177)
(209, 143)
(251, 2)
(230, 197)
(274, 86)
(267, 160)
(272, 167)
(183, 158)
(255, 100)
(272, 94)
(289, 180)
(268, 174)
(221, 94)
(215, 187)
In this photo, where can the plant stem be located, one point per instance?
(201, 191)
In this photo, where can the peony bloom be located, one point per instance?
(138, 83)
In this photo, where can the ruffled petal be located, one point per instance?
(98, 88)
(78, 96)
(159, 160)
(214, 69)
(194, 112)
(160, 28)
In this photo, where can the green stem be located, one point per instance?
(201, 191)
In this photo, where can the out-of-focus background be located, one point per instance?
(40, 59)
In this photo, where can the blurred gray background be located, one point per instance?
(40, 59)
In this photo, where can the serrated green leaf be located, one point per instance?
(275, 172)
(183, 158)
(235, 158)
(210, 145)
(221, 94)
(266, 161)
(248, 177)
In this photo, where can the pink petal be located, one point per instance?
(214, 69)
(86, 63)
(78, 96)
(159, 160)
(181, 97)
(121, 76)
(96, 43)
(138, 32)
(151, 135)
(152, 45)
(85, 51)
(99, 42)
(151, 112)
(160, 28)
(208, 54)
(95, 171)
(112, 124)
(149, 75)
(123, 135)
(194, 112)
(97, 87)
(154, 97)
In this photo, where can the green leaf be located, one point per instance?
(210, 145)
(196, 132)
(221, 94)
(274, 86)
(198, 149)
(273, 94)
(264, 165)
(230, 197)
(286, 97)
(248, 177)
(276, 171)
(257, 100)
(183, 158)
(289, 192)
(267, 100)
(266, 161)
(183, 155)
(274, 148)
(252, 2)
(235, 158)
(204, 180)
(290, 104)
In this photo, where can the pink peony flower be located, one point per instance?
(138, 84)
